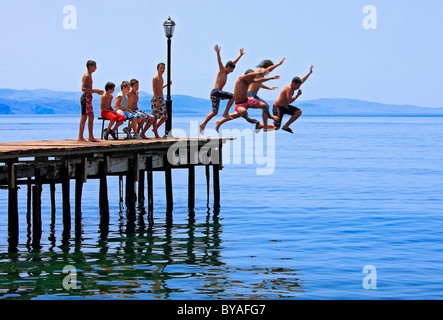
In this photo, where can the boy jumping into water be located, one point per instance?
(109, 113)
(86, 103)
(243, 102)
(282, 104)
(217, 94)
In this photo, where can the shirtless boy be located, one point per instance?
(142, 116)
(121, 105)
(86, 103)
(217, 94)
(243, 102)
(109, 113)
(282, 104)
(255, 86)
(157, 102)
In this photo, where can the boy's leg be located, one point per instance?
(293, 118)
(207, 119)
(148, 124)
(82, 128)
(91, 128)
(228, 106)
(154, 129)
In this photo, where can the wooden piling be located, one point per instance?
(65, 197)
(191, 187)
(103, 191)
(141, 188)
(79, 179)
(150, 184)
(37, 206)
(216, 182)
(168, 187)
(130, 186)
(13, 219)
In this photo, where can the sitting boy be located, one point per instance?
(121, 105)
(109, 113)
(142, 116)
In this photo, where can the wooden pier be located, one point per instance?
(37, 163)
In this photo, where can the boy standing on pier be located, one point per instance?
(217, 94)
(109, 113)
(86, 103)
(158, 105)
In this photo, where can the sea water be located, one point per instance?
(352, 210)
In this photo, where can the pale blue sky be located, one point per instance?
(399, 62)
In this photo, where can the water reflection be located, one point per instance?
(142, 258)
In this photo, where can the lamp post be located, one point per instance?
(169, 26)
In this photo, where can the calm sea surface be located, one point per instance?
(345, 193)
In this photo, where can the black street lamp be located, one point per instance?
(169, 26)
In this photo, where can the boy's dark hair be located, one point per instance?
(160, 64)
(230, 64)
(296, 80)
(249, 71)
(265, 64)
(90, 63)
(124, 84)
(133, 82)
(109, 85)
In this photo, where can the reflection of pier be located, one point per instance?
(34, 164)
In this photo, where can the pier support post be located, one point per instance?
(13, 229)
(168, 185)
(65, 197)
(191, 187)
(216, 175)
(150, 184)
(141, 188)
(37, 206)
(130, 186)
(80, 172)
(207, 182)
(103, 191)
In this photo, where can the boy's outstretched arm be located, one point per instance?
(307, 76)
(220, 63)
(242, 52)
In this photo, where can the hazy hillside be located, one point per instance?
(43, 101)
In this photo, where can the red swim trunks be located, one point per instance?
(86, 103)
(250, 103)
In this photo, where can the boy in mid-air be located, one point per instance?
(282, 104)
(217, 94)
(109, 113)
(86, 103)
(243, 102)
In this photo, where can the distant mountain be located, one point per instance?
(44, 101)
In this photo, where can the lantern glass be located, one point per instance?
(169, 26)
